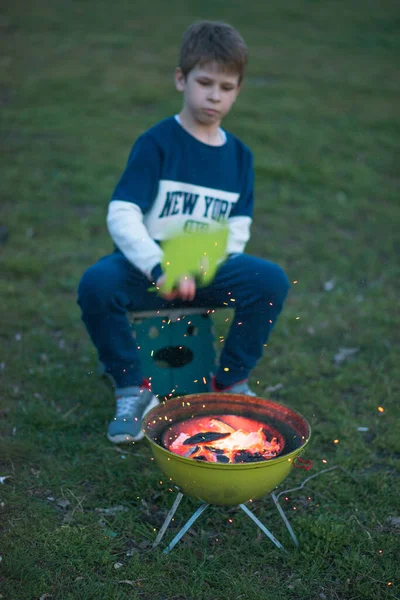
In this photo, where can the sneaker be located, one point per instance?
(240, 387)
(127, 423)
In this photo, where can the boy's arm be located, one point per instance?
(241, 217)
(133, 196)
(239, 234)
(125, 224)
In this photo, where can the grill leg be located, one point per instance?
(168, 519)
(285, 520)
(184, 529)
(262, 527)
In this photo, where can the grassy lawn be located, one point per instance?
(320, 110)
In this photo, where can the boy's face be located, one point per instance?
(208, 92)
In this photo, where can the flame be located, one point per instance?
(246, 440)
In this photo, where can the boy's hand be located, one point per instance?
(185, 289)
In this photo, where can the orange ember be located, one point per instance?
(224, 439)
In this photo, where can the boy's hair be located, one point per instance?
(208, 41)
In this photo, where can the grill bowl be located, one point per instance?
(220, 483)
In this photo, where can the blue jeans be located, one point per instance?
(113, 286)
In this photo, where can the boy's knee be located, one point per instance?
(283, 283)
(93, 290)
(276, 282)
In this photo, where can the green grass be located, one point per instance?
(320, 110)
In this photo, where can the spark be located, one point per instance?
(226, 368)
(335, 441)
(380, 551)
(297, 318)
(295, 281)
(324, 461)
(204, 380)
(381, 409)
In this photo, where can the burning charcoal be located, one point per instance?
(220, 422)
(221, 458)
(243, 456)
(201, 457)
(204, 438)
(191, 451)
(257, 456)
(215, 450)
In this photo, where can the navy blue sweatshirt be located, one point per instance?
(174, 183)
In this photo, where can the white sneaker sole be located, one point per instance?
(125, 438)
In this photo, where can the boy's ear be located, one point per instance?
(179, 79)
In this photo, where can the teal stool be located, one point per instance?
(177, 349)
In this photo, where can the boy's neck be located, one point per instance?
(208, 134)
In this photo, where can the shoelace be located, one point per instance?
(126, 405)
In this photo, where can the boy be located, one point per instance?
(189, 173)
